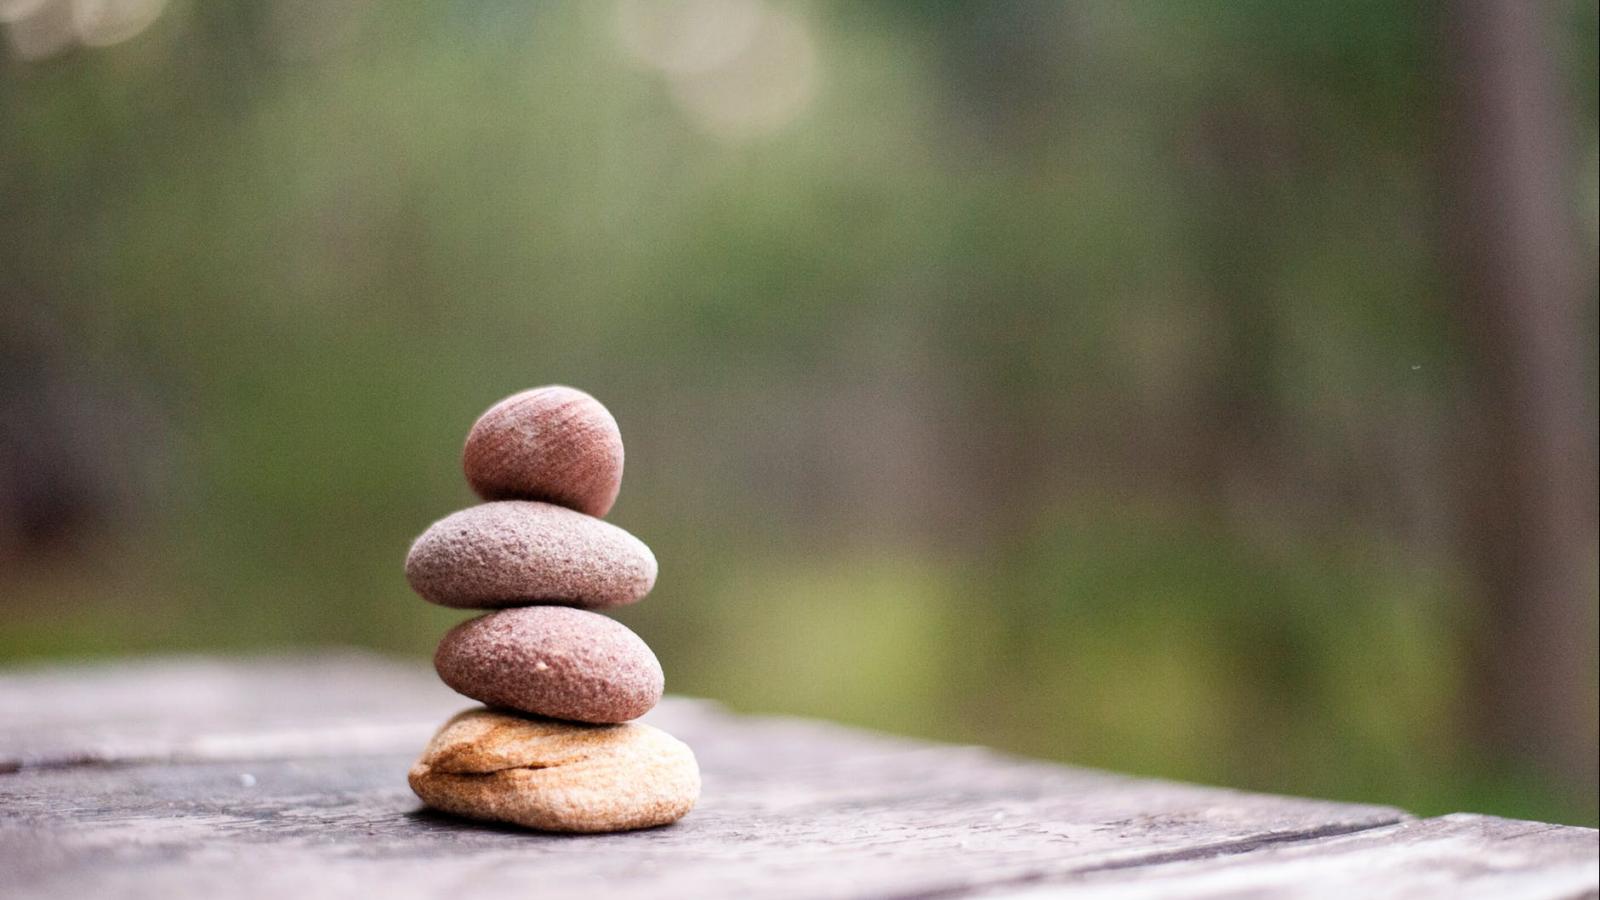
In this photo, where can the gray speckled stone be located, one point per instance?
(518, 552)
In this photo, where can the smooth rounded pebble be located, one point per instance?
(554, 443)
(556, 776)
(552, 661)
(517, 552)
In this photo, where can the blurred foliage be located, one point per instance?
(1072, 378)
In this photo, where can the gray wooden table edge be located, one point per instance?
(275, 777)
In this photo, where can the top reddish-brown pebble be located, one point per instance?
(555, 444)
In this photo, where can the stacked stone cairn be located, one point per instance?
(554, 747)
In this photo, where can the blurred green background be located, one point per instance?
(1202, 390)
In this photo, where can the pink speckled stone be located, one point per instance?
(553, 443)
(552, 661)
(518, 552)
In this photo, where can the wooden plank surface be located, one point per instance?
(275, 777)
(1459, 856)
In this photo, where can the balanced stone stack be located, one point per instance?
(554, 747)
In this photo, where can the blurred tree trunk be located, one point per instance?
(1529, 454)
(1237, 431)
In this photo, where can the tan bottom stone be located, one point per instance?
(556, 776)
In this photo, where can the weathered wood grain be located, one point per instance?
(196, 708)
(1460, 856)
(256, 779)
